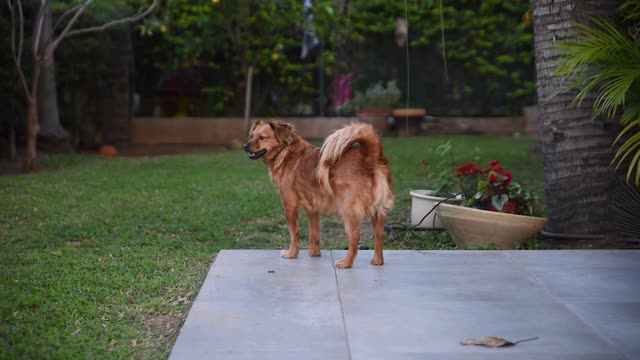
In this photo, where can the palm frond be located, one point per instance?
(629, 144)
(631, 10)
(614, 91)
(605, 61)
(635, 164)
(627, 210)
(630, 147)
(631, 113)
(600, 59)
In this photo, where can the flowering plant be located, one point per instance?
(440, 177)
(493, 188)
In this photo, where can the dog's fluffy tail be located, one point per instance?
(339, 142)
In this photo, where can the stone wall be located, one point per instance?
(497, 126)
(220, 131)
(224, 131)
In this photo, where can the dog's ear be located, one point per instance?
(284, 131)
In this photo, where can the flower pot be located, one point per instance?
(379, 118)
(474, 227)
(408, 122)
(408, 113)
(421, 203)
(510, 207)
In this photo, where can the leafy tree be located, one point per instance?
(488, 43)
(12, 101)
(83, 67)
(43, 45)
(225, 38)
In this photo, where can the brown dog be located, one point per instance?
(355, 181)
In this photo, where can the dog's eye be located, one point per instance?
(262, 137)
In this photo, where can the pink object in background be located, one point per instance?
(342, 89)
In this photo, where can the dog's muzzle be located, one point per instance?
(253, 155)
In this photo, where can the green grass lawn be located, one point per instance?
(102, 257)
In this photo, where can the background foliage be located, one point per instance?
(488, 44)
(221, 39)
(605, 60)
(202, 50)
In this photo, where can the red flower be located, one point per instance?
(492, 178)
(508, 179)
(493, 162)
(497, 168)
(467, 169)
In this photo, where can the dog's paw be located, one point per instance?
(314, 251)
(377, 260)
(289, 254)
(344, 264)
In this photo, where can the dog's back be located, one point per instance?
(363, 169)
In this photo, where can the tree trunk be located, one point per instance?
(247, 100)
(31, 135)
(51, 134)
(32, 121)
(576, 149)
(12, 142)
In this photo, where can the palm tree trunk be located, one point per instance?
(576, 148)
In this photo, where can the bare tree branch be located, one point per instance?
(13, 27)
(63, 16)
(54, 44)
(15, 55)
(38, 28)
(66, 33)
(129, 19)
(21, 42)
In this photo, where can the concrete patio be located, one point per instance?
(419, 305)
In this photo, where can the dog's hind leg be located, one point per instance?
(314, 233)
(352, 226)
(291, 212)
(378, 228)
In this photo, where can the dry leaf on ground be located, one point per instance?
(492, 341)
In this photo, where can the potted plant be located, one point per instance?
(374, 105)
(493, 188)
(442, 186)
(496, 210)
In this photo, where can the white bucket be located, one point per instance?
(421, 203)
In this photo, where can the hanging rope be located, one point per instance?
(406, 116)
(444, 45)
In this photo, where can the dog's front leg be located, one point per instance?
(291, 212)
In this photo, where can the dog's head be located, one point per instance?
(268, 136)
